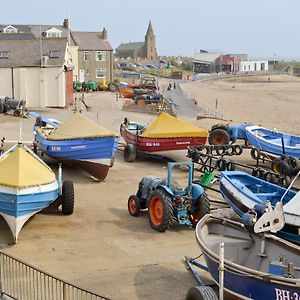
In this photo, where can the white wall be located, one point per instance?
(40, 87)
(254, 65)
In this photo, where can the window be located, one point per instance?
(101, 73)
(100, 56)
(54, 54)
(3, 54)
(86, 55)
(87, 72)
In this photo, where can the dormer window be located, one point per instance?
(10, 29)
(53, 33)
(3, 54)
(54, 54)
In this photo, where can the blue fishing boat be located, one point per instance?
(27, 186)
(78, 141)
(243, 192)
(272, 141)
(256, 265)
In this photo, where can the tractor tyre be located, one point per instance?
(284, 168)
(134, 207)
(202, 208)
(294, 164)
(201, 293)
(161, 212)
(219, 137)
(113, 87)
(67, 198)
(129, 153)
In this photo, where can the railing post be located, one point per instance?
(1, 274)
(65, 294)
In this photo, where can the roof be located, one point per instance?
(130, 46)
(16, 36)
(15, 166)
(150, 29)
(21, 28)
(167, 126)
(79, 126)
(207, 57)
(90, 41)
(27, 53)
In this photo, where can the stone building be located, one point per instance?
(139, 50)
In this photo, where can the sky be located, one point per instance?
(263, 29)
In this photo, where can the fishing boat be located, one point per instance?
(27, 186)
(78, 141)
(272, 141)
(256, 265)
(164, 133)
(244, 192)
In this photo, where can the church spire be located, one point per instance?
(150, 30)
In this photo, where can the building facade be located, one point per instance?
(139, 50)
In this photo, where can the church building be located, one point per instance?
(140, 50)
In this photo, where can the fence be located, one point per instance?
(204, 110)
(19, 280)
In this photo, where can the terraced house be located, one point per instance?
(38, 63)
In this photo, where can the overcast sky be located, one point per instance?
(259, 28)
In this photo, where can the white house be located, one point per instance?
(254, 65)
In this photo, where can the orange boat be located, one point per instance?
(126, 92)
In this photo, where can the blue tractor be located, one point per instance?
(167, 203)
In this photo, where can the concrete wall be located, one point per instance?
(40, 87)
(254, 65)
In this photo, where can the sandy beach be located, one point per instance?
(101, 247)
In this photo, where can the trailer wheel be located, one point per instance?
(294, 164)
(219, 137)
(222, 164)
(230, 166)
(270, 177)
(129, 153)
(134, 207)
(67, 198)
(255, 153)
(161, 212)
(201, 293)
(202, 205)
(255, 172)
(237, 149)
(275, 165)
(285, 181)
(112, 87)
(1, 107)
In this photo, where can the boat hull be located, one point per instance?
(159, 144)
(240, 280)
(238, 195)
(94, 155)
(273, 141)
(17, 205)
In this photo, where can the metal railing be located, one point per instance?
(19, 280)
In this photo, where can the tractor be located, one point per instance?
(167, 203)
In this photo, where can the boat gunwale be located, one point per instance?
(238, 269)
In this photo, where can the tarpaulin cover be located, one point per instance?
(167, 126)
(20, 168)
(78, 126)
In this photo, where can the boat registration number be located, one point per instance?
(153, 144)
(55, 148)
(286, 295)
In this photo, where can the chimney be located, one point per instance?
(104, 34)
(66, 23)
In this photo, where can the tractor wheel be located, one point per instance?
(161, 213)
(219, 137)
(67, 198)
(134, 208)
(275, 165)
(201, 293)
(129, 153)
(113, 87)
(202, 208)
(294, 164)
